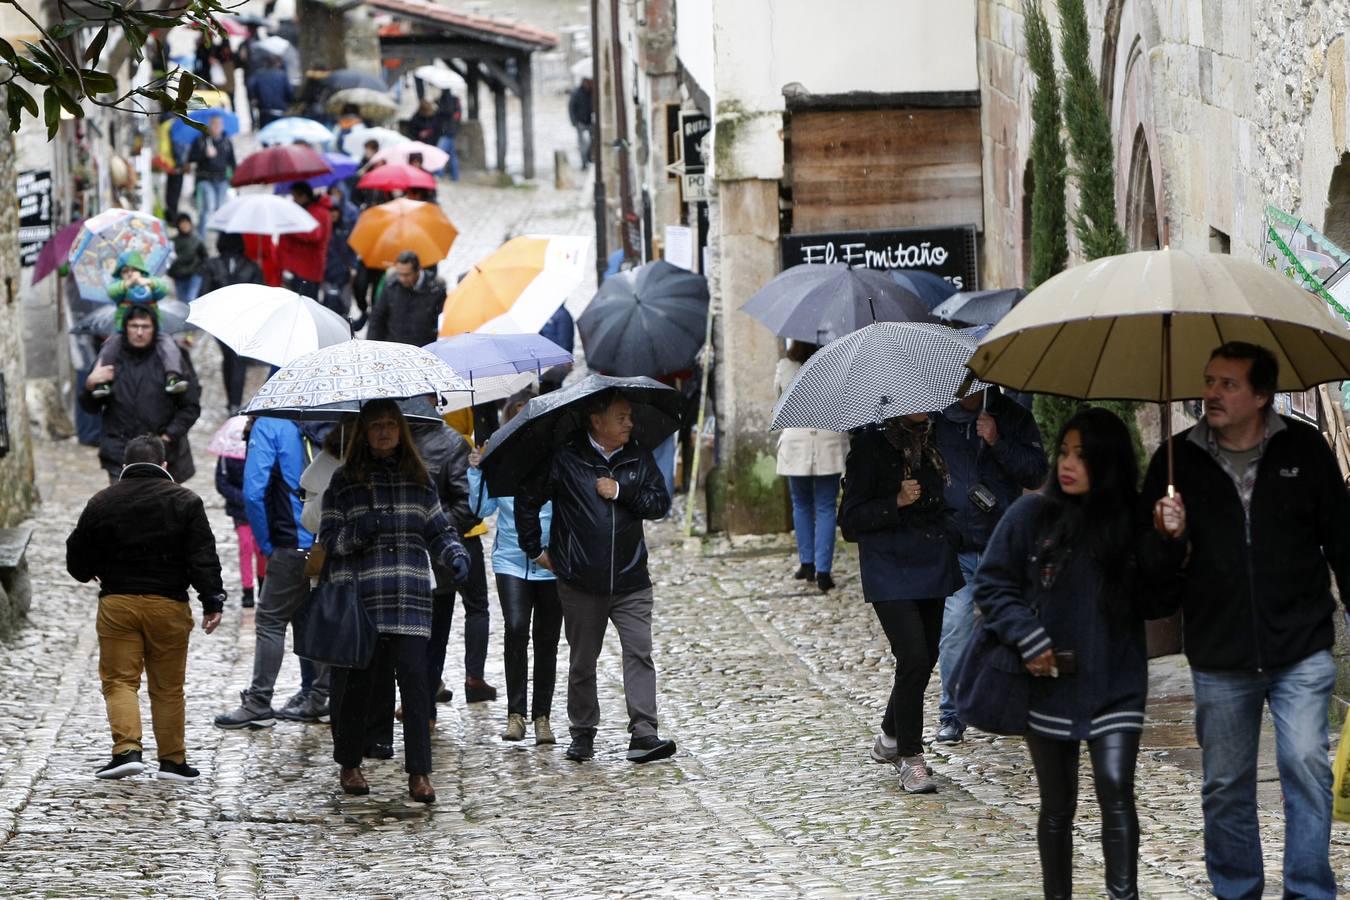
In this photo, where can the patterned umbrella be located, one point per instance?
(290, 129)
(228, 441)
(876, 373)
(353, 371)
(107, 236)
(646, 321)
(821, 303)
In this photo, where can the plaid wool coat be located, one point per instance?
(391, 569)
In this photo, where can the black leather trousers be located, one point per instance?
(1113, 757)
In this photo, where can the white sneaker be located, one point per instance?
(914, 776)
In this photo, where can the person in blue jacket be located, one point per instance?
(277, 455)
(526, 590)
(1060, 583)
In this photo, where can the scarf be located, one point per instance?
(917, 445)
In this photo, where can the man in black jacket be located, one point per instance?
(146, 539)
(602, 488)
(993, 452)
(408, 305)
(1265, 511)
(138, 403)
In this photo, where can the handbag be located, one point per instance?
(334, 628)
(992, 688)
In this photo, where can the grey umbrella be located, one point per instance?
(550, 420)
(979, 307)
(103, 320)
(820, 304)
(647, 321)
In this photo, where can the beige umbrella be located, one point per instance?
(371, 105)
(1141, 326)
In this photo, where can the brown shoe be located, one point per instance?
(476, 690)
(419, 788)
(398, 712)
(353, 782)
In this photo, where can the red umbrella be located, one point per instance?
(54, 253)
(290, 162)
(396, 177)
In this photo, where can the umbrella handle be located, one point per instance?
(1167, 403)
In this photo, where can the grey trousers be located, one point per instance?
(585, 618)
(285, 591)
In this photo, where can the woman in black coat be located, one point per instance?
(1058, 581)
(893, 507)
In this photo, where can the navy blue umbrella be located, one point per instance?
(979, 307)
(651, 320)
(822, 303)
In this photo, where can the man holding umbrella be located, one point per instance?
(602, 486)
(1265, 512)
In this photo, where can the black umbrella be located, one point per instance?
(821, 303)
(342, 79)
(979, 307)
(103, 320)
(931, 289)
(647, 321)
(550, 420)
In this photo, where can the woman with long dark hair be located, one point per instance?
(1058, 582)
(381, 518)
(894, 507)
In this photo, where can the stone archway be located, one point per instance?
(1141, 200)
(1131, 31)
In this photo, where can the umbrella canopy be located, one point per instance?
(262, 214)
(228, 441)
(433, 158)
(356, 139)
(490, 390)
(979, 307)
(415, 409)
(273, 44)
(931, 289)
(876, 373)
(821, 303)
(373, 105)
(354, 371)
(293, 162)
(518, 287)
(396, 177)
(343, 167)
(290, 129)
(383, 232)
(1102, 330)
(477, 356)
(270, 324)
(445, 79)
(107, 236)
(549, 420)
(646, 321)
(183, 133)
(56, 251)
(172, 315)
(343, 79)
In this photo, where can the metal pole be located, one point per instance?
(698, 430)
(629, 225)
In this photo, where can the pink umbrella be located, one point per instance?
(53, 254)
(433, 158)
(228, 441)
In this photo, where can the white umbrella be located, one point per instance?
(445, 79)
(266, 323)
(354, 371)
(385, 137)
(274, 44)
(486, 390)
(583, 69)
(262, 214)
(433, 158)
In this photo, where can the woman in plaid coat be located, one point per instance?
(381, 519)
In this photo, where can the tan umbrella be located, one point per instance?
(371, 105)
(1141, 326)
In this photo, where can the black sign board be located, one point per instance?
(693, 127)
(35, 213)
(948, 252)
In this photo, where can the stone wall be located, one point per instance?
(17, 494)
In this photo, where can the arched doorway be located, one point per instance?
(1141, 204)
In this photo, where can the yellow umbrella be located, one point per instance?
(518, 287)
(1141, 326)
(383, 232)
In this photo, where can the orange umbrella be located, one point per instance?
(383, 232)
(518, 287)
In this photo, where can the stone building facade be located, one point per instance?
(1219, 108)
(17, 494)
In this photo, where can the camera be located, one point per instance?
(983, 499)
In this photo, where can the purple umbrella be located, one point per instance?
(343, 167)
(476, 356)
(54, 253)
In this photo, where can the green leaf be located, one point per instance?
(69, 102)
(35, 72)
(95, 48)
(51, 110)
(7, 52)
(186, 85)
(63, 30)
(14, 106)
(40, 55)
(97, 82)
(28, 100)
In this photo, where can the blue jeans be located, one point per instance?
(447, 144)
(958, 621)
(210, 197)
(813, 499)
(1228, 708)
(187, 288)
(664, 455)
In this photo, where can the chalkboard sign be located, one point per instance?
(35, 213)
(693, 127)
(948, 252)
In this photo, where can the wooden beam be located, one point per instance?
(500, 74)
(422, 49)
(499, 111)
(471, 80)
(526, 112)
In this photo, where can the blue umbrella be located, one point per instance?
(290, 129)
(476, 356)
(183, 133)
(343, 167)
(931, 289)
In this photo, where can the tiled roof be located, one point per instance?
(496, 31)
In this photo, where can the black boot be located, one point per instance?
(805, 573)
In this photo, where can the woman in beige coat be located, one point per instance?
(813, 461)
